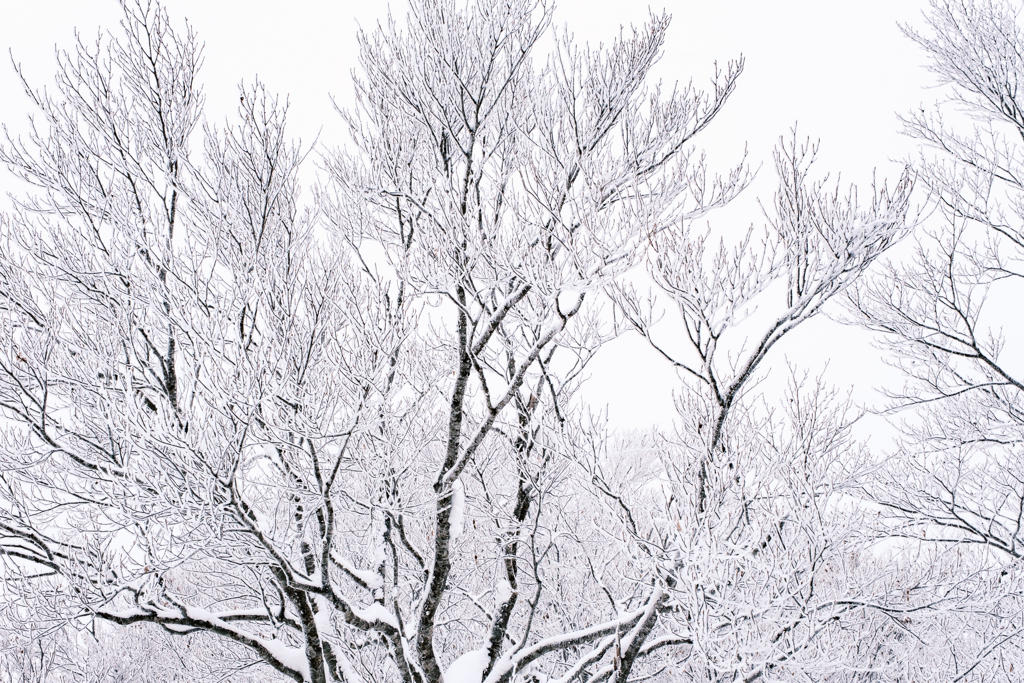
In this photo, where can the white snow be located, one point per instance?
(469, 668)
(346, 668)
(458, 516)
(322, 618)
(292, 657)
(377, 612)
(379, 555)
(370, 578)
(503, 591)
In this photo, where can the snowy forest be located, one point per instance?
(274, 411)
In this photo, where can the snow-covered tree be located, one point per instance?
(760, 535)
(338, 436)
(346, 449)
(946, 313)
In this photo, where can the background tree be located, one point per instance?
(956, 480)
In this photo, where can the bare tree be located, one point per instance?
(948, 321)
(339, 438)
(764, 537)
(223, 419)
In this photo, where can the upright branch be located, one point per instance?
(815, 246)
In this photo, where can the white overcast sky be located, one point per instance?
(840, 68)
